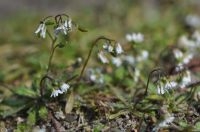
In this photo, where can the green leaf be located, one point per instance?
(24, 91)
(82, 29)
(197, 126)
(49, 23)
(12, 111)
(43, 113)
(155, 97)
(119, 73)
(122, 112)
(31, 120)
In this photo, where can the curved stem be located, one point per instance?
(44, 19)
(147, 86)
(90, 52)
(42, 87)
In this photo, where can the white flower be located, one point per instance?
(187, 58)
(60, 29)
(117, 61)
(41, 30)
(177, 53)
(68, 24)
(108, 47)
(185, 42)
(135, 37)
(118, 49)
(144, 55)
(64, 87)
(186, 80)
(136, 75)
(164, 123)
(160, 89)
(56, 92)
(179, 68)
(102, 57)
(64, 28)
(95, 76)
(193, 20)
(170, 85)
(129, 59)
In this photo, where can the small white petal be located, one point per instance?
(118, 48)
(55, 93)
(177, 53)
(64, 87)
(117, 61)
(102, 57)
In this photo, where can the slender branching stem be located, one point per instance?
(90, 52)
(52, 53)
(51, 37)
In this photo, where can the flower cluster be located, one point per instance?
(135, 37)
(63, 88)
(64, 27)
(164, 85)
(193, 20)
(129, 59)
(190, 43)
(108, 48)
(60, 27)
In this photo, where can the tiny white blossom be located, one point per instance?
(56, 92)
(117, 61)
(170, 85)
(102, 57)
(136, 75)
(187, 58)
(160, 89)
(129, 59)
(64, 87)
(193, 20)
(118, 49)
(68, 24)
(179, 68)
(108, 47)
(186, 80)
(41, 30)
(135, 37)
(177, 53)
(185, 42)
(64, 28)
(164, 123)
(196, 37)
(144, 55)
(95, 76)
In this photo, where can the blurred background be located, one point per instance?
(22, 53)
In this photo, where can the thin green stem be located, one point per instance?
(90, 52)
(42, 85)
(52, 53)
(51, 37)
